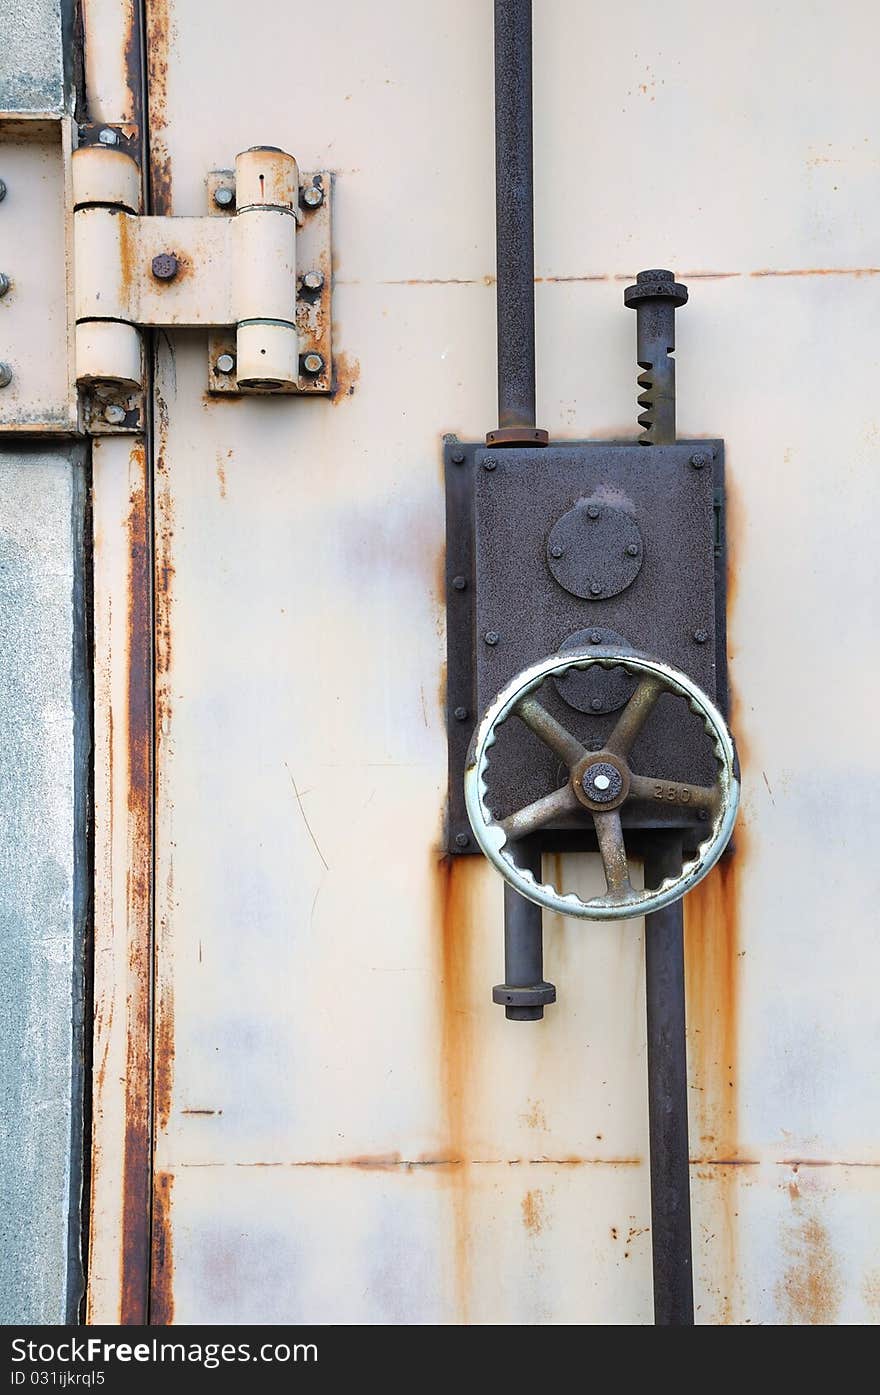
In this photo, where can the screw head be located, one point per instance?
(225, 363)
(699, 459)
(557, 550)
(632, 550)
(491, 637)
(490, 462)
(595, 588)
(224, 195)
(460, 583)
(313, 280)
(107, 136)
(592, 510)
(114, 413)
(462, 840)
(314, 364)
(2, 190)
(4, 284)
(457, 457)
(461, 714)
(595, 636)
(5, 375)
(700, 636)
(602, 782)
(165, 267)
(312, 196)
(596, 704)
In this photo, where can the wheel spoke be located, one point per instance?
(543, 811)
(673, 792)
(613, 853)
(634, 716)
(551, 732)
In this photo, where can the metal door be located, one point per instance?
(328, 1120)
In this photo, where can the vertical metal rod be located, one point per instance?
(667, 1097)
(514, 226)
(524, 991)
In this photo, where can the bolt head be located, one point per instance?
(165, 267)
(592, 510)
(461, 714)
(114, 413)
(595, 588)
(5, 375)
(107, 136)
(4, 284)
(313, 363)
(460, 583)
(224, 195)
(700, 636)
(490, 462)
(491, 637)
(312, 196)
(313, 280)
(632, 550)
(461, 840)
(225, 363)
(699, 460)
(457, 457)
(595, 636)
(557, 550)
(596, 704)
(2, 190)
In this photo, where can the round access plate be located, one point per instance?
(595, 549)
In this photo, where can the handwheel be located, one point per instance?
(599, 783)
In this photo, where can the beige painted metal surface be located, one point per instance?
(346, 1127)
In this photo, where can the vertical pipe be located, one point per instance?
(514, 226)
(524, 992)
(667, 1096)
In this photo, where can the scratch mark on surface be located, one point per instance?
(305, 820)
(769, 790)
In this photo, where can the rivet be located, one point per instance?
(313, 280)
(165, 266)
(4, 283)
(313, 363)
(699, 459)
(225, 363)
(312, 196)
(491, 637)
(593, 510)
(461, 840)
(490, 462)
(108, 136)
(457, 457)
(224, 195)
(596, 704)
(595, 636)
(459, 582)
(700, 636)
(5, 375)
(461, 714)
(557, 550)
(114, 413)
(595, 588)
(632, 550)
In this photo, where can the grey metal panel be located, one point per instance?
(32, 71)
(44, 733)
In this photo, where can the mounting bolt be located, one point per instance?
(595, 636)
(593, 510)
(460, 583)
(225, 363)
(595, 588)
(490, 462)
(106, 136)
(5, 375)
(461, 714)
(314, 364)
(114, 413)
(491, 637)
(224, 195)
(596, 704)
(699, 459)
(557, 550)
(632, 550)
(457, 457)
(312, 196)
(700, 636)
(462, 840)
(2, 190)
(313, 280)
(4, 284)
(165, 267)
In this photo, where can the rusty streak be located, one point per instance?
(162, 1275)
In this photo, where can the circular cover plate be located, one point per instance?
(595, 690)
(595, 549)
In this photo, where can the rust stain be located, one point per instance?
(534, 1117)
(533, 1212)
(809, 1290)
(221, 474)
(134, 1259)
(160, 33)
(346, 373)
(871, 1290)
(822, 271)
(162, 1275)
(163, 1030)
